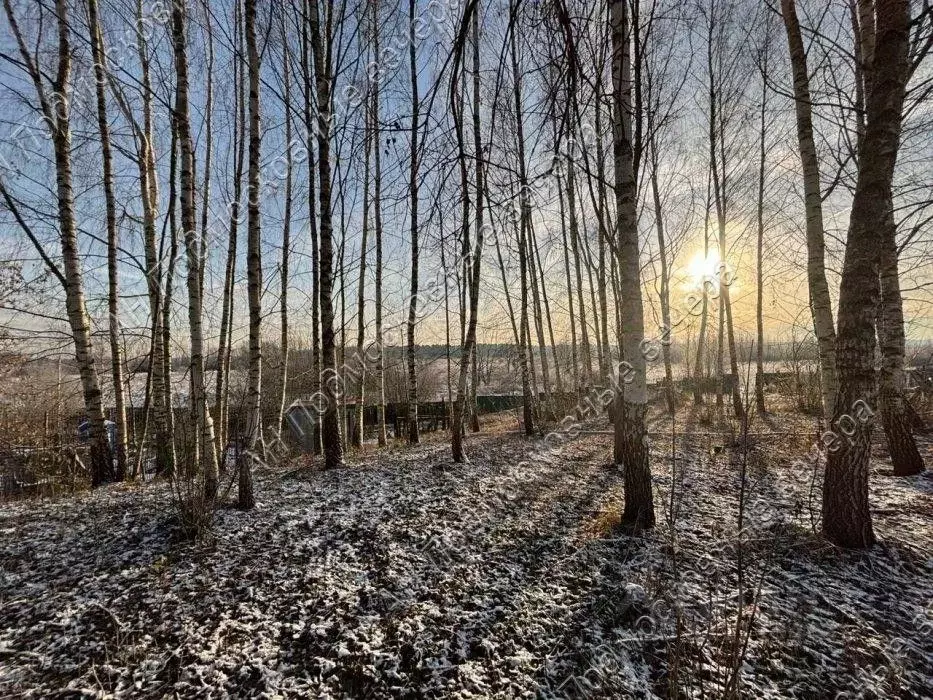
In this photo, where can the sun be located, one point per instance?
(702, 268)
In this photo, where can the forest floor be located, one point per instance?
(405, 575)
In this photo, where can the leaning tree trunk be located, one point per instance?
(330, 432)
(846, 513)
(116, 353)
(204, 438)
(820, 303)
(631, 400)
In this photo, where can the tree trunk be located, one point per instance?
(116, 354)
(56, 112)
(377, 221)
(201, 415)
(208, 139)
(573, 322)
(286, 229)
(149, 195)
(310, 130)
(587, 375)
(468, 351)
(413, 435)
(665, 292)
(224, 350)
(165, 321)
(357, 433)
(820, 303)
(330, 433)
(698, 372)
(524, 226)
(759, 267)
(246, 499)
(846, 513)
(890, 328)
(631, 437)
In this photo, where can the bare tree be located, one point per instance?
(820, 303)
(54, 105)
(323, 75)
(631, 438)
(203, 449)
(846, 513)
(110, 204)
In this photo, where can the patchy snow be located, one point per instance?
(409, 576)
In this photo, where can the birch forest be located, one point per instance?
(466, 348)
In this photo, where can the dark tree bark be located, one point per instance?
(414, 436)
(330, 432)
(846, 513)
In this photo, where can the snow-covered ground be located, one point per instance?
(405, 575)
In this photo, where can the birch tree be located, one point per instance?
(846, 514)
(53, 96)
(631, 437)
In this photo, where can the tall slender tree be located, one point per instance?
(323, 78)
(203, 449)
(820, 303)
(631, 400)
